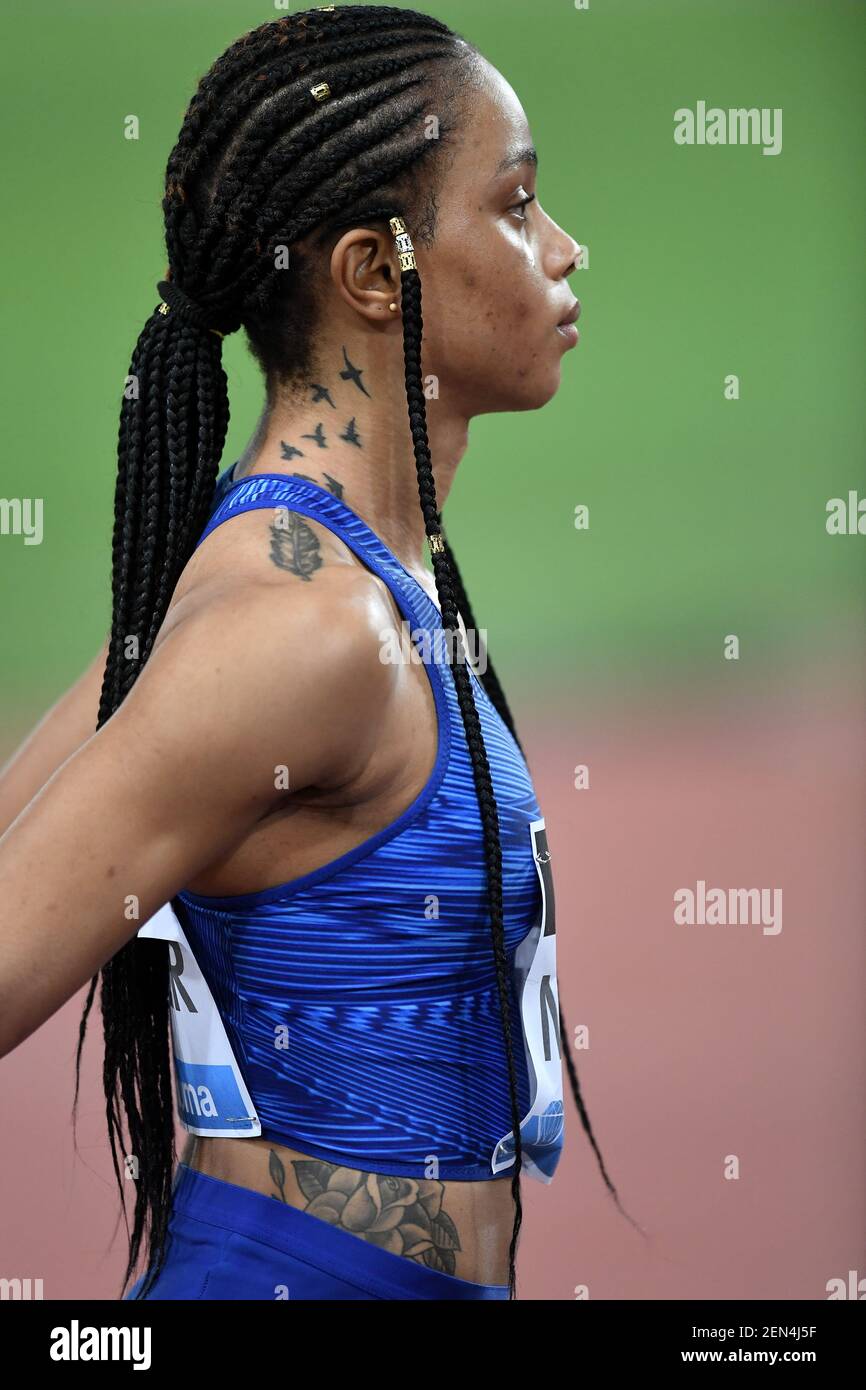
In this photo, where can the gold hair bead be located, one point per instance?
(320, 91)
(436, 543)
(404, 243)
(165, 308)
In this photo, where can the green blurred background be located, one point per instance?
(707, 515)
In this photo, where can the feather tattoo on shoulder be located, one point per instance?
(294, 545)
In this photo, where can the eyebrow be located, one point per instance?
(527, 155)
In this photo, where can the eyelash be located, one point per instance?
(529, 199)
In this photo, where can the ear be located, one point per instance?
(365, 269)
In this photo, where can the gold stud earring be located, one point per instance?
(392, 306)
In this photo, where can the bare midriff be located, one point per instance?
(459, 1228)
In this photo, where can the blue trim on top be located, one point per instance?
(408, 608)
(216, 520)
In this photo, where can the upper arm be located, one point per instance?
(230, 700)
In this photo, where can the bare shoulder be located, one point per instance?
(274, 619)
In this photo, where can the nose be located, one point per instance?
(564, 252)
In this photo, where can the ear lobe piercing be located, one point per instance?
(392, 306)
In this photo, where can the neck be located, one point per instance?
(347, 429)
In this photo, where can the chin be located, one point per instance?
(520, 393)
(533, 395)
(517, 392)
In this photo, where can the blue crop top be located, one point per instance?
(358, 1004)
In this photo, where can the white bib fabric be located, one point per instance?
(212, 1096)
(543, 1127)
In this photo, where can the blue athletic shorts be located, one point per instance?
(231, 1242)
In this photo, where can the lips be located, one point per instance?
(572, 316)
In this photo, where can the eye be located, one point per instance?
(530, 198)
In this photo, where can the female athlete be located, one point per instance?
(302, 851)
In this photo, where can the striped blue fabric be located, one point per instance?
(361, 999)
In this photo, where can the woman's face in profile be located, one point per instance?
(494, 280)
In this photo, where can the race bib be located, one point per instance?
(542, 1128)
(212, 1097)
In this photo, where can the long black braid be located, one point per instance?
(259, 166)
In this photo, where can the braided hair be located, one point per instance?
(258, 166)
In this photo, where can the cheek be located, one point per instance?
(510, 325)
(491, 302)
(484, 316)
(478, 310)
(502, 295)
